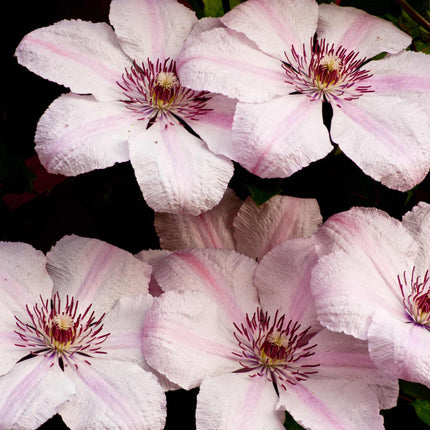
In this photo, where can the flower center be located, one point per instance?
(60, 332)
(153, 91)
(417, 302)
(326, 73)
(275, 349)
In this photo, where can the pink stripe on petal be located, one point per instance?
(393, 84)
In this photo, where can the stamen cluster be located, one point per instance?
(61, 333)
(326, 72)
(276, 349)
(417, 303)
(153, 91)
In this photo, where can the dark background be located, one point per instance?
(39, 208)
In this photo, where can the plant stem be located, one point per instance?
(414, 14)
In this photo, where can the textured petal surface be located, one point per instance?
(275, 25)
(226, 62)
(125, 324)
(31, 394)
(258, 229)
(215, 126)
(367, 250)
(83, 56)
(278, 138)
(176, 171)
(226, 276)
(152, 28)
(211, 229)
(95, 272)
(114, 395)
(187, 338)
(78, 134)
(399, 348)
(155, 258)
(356, 30)
(417, 221)
(326, 404)
(236, 401)
(282, 280)
(386, 137)
(23, 276)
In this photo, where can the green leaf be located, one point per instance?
(414, 390)
(214, 7)
(422, 408)
(290, 424)
(261, 196)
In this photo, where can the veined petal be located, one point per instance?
(275, 25)
(225, 275)
(400, 349)
(187, 338)
(366, 251)
(278, 138)
(152, 28)
(115, 395)
(211, 229)
(84, 56)
(95, 272)
(155, 258)
(356, 30)
(282, 279)
(31, 394)
(237, 401)
(386, 137)
(343, 357)
(214, 127)
(23, 276)
(417, 221)
(78, 134)
(176, 171)
(226, 62)
(321, 404)
(258, 229)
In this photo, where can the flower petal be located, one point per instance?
(386, 137)
(114, 395)
(282, 280)
(152, 28)
(95, 272)
(366, 251)
(400, 348)
(236, 401)
(155, 258)
(23, 276)
(226, 62)
(417, 221)
(186, 338)
(211, 229)
(31, 394)
(77, 134)
(258, 229)
(275, 25)
(214, 127)
(176, 171)
(326, 404)
(356, 30)
(225, 275)
(10, 353)
(84, 56)
(278, 138)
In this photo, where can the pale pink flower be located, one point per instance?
(374, 284)
(127, 103)
(241, 225)
(266, 56)
(70, 339)
(257, 349)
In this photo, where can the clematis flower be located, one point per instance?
(257, 349)
(373, 283)
(70, 328)
(284, 59)
(242, 225)
(127, 103)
